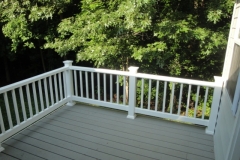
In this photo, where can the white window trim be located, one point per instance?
(236, 98)
(237, 32)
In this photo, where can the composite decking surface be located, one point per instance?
(86, 132)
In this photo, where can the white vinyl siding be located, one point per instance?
(225, 125)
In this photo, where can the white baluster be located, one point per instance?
(172, 97)
(41, 94)
(1, 121)
(22, 104)
(156, 98)
(98, 85)
(46, 92)
(124, 90)
(15, 106)
(205, 102)
(86, 79)
(142, 92)
(29, 100)
(105, 93)
(180, 99)
(196, 102)
(51, 89)
(60, 85)
(117, 89)
(81, 83)
(149, 92)
(56, 88)
(75, 83)
(92, 79)
(188, 99)
(35, 97)
(111, 89)
(164, 96)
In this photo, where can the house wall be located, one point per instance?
(224, 127)
(234, 150)
(230, 45)
(226, 121)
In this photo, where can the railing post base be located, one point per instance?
(1, 148)
(71, 103)
(131, 117)
(207, 131)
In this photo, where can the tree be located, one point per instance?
(171, 37)
(26, 25)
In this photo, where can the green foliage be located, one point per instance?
(29, 23)
(26, 26)
(176, 36)
(145, 92)
(173, 37)
(179, 38)
(200, 106)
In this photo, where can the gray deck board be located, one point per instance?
(87, 132)
(20, 153)
(5, 156)
(142, 127)
(102, 130)
(176, 144)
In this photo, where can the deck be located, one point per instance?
(88, 132)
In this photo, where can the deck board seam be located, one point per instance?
(129, 139)
(99, 144)
(23, 151)
(41, 148)
(156, 129)
(10, 155)
(102, 133)
(73, 150)
(122, 143)
(114, 129)
(113, 110)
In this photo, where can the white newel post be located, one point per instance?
(215, 105)
(132, 93)
(69, 82)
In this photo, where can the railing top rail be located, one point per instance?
(30, 80)
(147, 76)
(176, 80)
(101, 70)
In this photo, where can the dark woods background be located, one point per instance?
(184, 38)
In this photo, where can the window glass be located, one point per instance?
(234, 70)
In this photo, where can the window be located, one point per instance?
(234, 72)
(236, 96)
(233, 82)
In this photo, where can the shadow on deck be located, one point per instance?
(87, 132)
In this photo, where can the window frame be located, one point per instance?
(236, 97)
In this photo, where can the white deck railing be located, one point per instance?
(178, 99)
(27, 101)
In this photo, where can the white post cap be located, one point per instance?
(67, 63)
(219, 80)
(133, 69)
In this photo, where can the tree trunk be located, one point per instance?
(127, 90)
(7, 72)
(42, 58)
(127, 86)
(43, 63)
